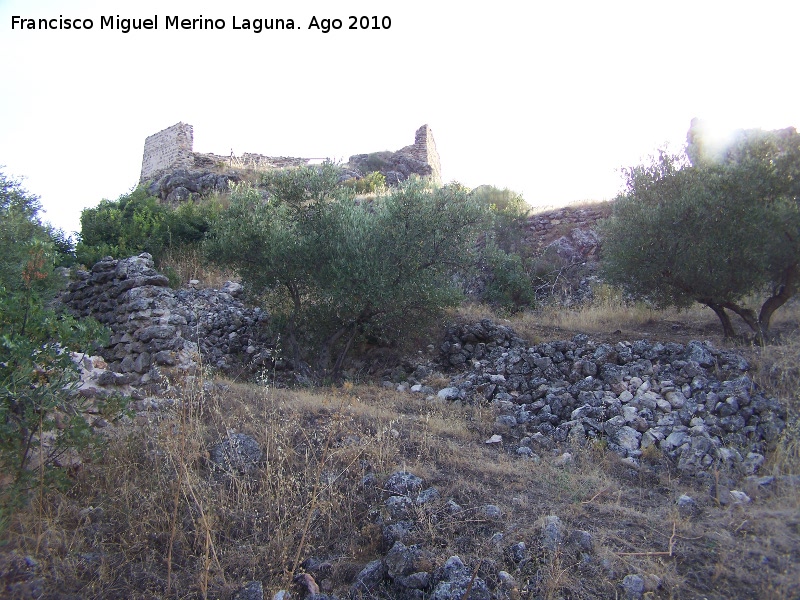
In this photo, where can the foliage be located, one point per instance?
(123, 227)
(506, 258)
(714, 232)
(369, 184)
(23, 232)
(508, 283)
(40, 418)
(509, 218)
(339, 270)
(137, 222)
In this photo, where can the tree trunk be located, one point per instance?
(324, 355)
(748, 315)
(727, 326)
(787, 289)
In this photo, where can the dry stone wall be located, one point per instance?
(694, 403)
(154, 328)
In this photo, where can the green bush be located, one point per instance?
(508, 284)
(40, 416)
(137, 222)
(716, 231)
(338, 270)
(369, 184)
(506, 257)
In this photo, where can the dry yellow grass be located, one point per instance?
(148, 519)
(187, 263)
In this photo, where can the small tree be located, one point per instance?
(40, 417)
(717, 230)
(337, 269)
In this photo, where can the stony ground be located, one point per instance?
(219, 489)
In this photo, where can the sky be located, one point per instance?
(549, 99)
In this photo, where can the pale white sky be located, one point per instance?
(547, 98)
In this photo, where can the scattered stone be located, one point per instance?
(687, 507)
(582, 540)
(239, 454)
(552, 532)
(739, 497)
(449, 393)
(633, 586)
(693, 403)
(563, 460)
(495, 439)
(453, 580)
(251, 591)
(492, 511)
(368, 580)
(403, 483)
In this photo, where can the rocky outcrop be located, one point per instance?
(154, 327)
(180, 185)
(420, 158)
(694, 403)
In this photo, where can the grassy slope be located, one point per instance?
(150, 508)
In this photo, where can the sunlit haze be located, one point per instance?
(548, 99)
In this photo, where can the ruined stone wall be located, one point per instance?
(248, 160)
(694, 402)
(156, 329)
(420, 158)
(169, 148)
(424, 150)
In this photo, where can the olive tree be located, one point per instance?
(719, 230)
(334, 268)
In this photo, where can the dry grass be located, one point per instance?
(149, 519)
(187, 264)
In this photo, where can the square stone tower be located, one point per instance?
(169, 148)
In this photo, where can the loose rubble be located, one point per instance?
(693, 402)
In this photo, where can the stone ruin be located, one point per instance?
(155, 329)
(173, 171)
(694, 403)
(420, 158)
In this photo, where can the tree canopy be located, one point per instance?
(719, 228)
(335, 268)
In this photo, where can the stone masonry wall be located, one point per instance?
(172, 149)
(424, 149)
(169, 148)
(156, 329)
(420, 158)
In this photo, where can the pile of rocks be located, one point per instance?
(694, 402)
(154, 327)
(179, 185)
(229, 335)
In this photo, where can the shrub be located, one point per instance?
(508, 284)
(137, 222)
(369, 184)
(40, 417)
(713, 231)
(337, 270)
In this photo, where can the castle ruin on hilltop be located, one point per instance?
(171, 149)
